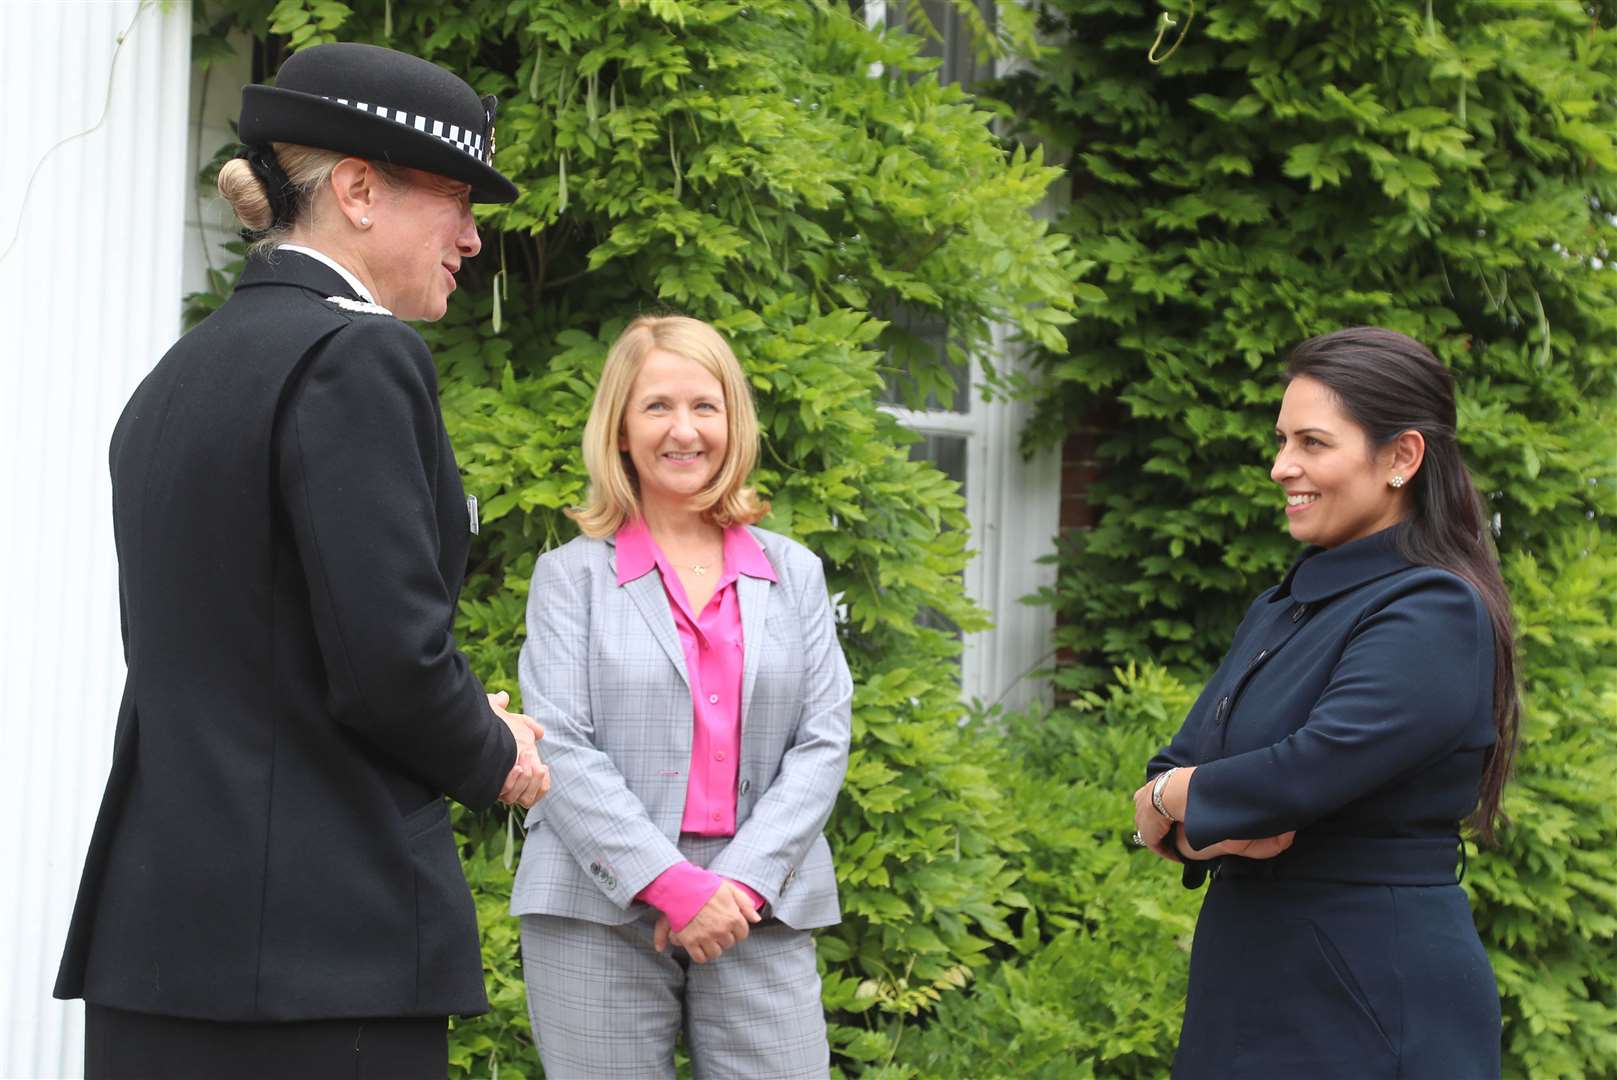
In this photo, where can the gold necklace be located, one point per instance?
(700, 568)
(704, 566)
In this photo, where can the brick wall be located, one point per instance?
(1078, 469)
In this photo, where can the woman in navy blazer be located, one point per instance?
(1367, 707)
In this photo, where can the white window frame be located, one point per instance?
(1014, 509)
(1013, 506)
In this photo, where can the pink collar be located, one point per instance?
(638, 552)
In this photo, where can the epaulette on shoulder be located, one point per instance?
(360, 306)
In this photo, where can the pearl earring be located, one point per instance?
(1396, 481)
(365, 221)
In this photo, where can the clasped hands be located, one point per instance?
(529, 778)
(721, 923)
(1153, 827)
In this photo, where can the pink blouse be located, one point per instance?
(711, 642)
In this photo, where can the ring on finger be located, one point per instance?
(1137, 840)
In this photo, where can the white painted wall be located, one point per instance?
(90, 294)
(1016, 512)
(215, 102)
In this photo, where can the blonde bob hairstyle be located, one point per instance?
(614, 495)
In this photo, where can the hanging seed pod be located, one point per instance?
(510, 836)
(673, 158)
(590, 104)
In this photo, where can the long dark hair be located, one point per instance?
(1388, 384)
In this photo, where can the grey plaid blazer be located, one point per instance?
(602, 669)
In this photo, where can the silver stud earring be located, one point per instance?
(365, 221)
(1396, 481)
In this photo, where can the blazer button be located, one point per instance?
(746, 786)
(1298, 612)
(595, 868)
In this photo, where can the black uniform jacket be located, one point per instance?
(1356, 704)
(273, 843)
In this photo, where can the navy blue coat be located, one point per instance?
(1355, 707)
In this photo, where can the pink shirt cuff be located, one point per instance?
(683, 889)
(757, 901)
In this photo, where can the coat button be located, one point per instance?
(595, 868)
(1298, 612)
(746, 786)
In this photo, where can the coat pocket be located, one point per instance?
(1350, 986)
(425, 817)
(1302, 1009)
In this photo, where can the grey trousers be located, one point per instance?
(605, 1005)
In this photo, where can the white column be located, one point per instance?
(91, 232)
(1018, 516)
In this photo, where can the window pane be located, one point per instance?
(917, 341)
(953, 44)
(947, 452)
(921, 376)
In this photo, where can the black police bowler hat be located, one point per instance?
(383, 105)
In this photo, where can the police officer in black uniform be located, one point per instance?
(272, 887)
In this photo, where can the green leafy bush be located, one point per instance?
(781, 170)
(1442, 167)
(1096, 981)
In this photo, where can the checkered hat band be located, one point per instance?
(463, 139)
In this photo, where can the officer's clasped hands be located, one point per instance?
(529, 778)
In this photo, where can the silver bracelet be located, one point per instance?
(1156, 793)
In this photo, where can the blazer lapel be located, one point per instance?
(754, 595)
(647, 593)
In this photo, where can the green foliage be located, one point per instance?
(1546, 901)
(742, 163)
(1441, 167)
(1296, 168)
(1096, 982)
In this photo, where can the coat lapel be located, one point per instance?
(647, 593)
(754, 595)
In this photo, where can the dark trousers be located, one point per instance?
(120, 1045)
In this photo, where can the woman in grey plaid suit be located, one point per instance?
(685, 666)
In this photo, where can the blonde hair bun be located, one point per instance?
(246, 195)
